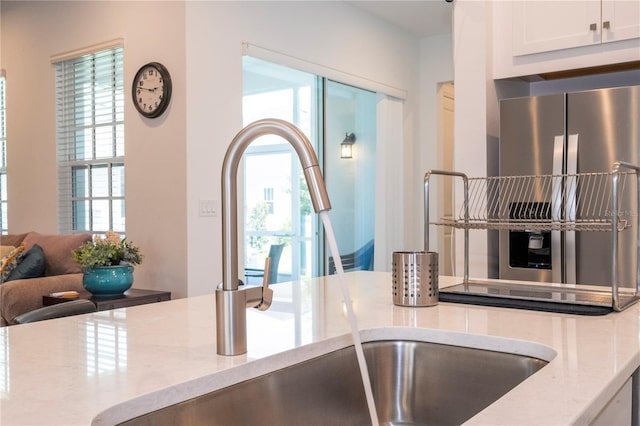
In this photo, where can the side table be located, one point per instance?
(131, 297)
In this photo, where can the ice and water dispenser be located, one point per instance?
(530, 248)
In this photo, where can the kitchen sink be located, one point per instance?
(413, 383)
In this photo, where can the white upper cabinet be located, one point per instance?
(620, 20)
(543, 36)
(544, 26)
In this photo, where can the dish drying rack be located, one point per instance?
(568, 202)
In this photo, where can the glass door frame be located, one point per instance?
(316, 138)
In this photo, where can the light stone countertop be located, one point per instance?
(107, 367)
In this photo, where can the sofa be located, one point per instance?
(40, 264)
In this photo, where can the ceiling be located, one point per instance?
(422, 18)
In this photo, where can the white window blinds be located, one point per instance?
(3, 156)
(90, 140)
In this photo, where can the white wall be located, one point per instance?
(473, 121)
(155, 149)
(436, 67)
(332, 34)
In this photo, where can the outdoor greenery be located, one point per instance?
(258, 222)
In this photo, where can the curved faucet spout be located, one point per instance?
(232, 340)
(236, 149)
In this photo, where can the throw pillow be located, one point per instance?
(5, 250)
(57, 250)
(30, 264)
(9, 262)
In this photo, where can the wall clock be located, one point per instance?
(151, 90)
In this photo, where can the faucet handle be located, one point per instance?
(267, 293)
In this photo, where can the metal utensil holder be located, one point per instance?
(415, 278)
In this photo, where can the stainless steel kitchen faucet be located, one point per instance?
(232, 302)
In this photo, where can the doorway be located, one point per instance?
(446, 236)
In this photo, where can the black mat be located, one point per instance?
(532, 305)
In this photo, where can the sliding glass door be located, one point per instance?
(350, 171)
(278, 215)
(276, 200)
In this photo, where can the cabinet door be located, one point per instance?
(542, 26)
(620, 19)
(618, 410)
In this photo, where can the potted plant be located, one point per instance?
(107, 264)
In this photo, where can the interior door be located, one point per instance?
(445, 234)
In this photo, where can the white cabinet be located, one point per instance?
(543, 26)
(618, 410)
(620, 20)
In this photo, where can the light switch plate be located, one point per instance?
(208, 208)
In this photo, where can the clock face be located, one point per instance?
(151, 90)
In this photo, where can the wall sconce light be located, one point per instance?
(346, 147)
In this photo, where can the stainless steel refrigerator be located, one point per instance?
(568, 133)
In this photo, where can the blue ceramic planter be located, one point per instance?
(108, 280)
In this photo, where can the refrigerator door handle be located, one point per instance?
(556, 210)
(570, 210)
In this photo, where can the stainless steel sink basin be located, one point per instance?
(413, 383)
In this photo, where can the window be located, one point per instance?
(90, 139)
(268, 199)
(3, 157)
